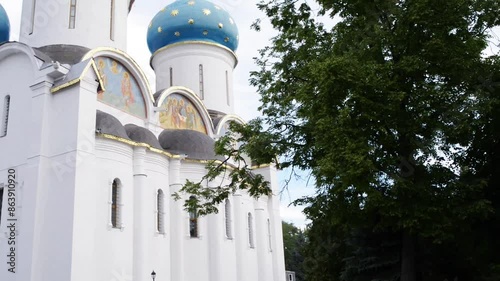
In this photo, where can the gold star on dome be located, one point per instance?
(237, 37)
(191, 3)
(206, 12)
(226, 39)
(205, 32)
(150, 24)
(174, 13)
(163, 10)
(177, 33)
(160, 29)
(221, 25)
(191, 21)
(231, 20)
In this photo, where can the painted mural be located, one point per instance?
(120, 88)
(181, 113)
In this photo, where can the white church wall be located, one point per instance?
(228, 245)
(115, 245)
(158, 248)
(50, 23)
(13, 146)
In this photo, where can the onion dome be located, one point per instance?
(195, 21)
(4, 25)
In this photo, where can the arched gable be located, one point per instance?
(15, 48)
(125, 86)
(223, 124)
(180, 108)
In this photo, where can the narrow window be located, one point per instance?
(227, 213)
(32, 24)
(160, 211)
(112, 21)
(5, 116)
(269, 235)
(250, 231)
(115, 204)
(72, 14)
(1, 202)
(202, 94)
(171, 77)
(193, 221)
(227, 88)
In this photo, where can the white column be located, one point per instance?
(142, 209)
(214, 246)
(177, 227)
(240, 236)
(264, 261)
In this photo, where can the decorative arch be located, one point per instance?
(223, 124)
(14, 48)
(125, 85)
(180, 108)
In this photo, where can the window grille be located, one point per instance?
(115, 204)
(250, 231)
(160, 212)
(72, 14)
(5, 116)
(193, 221)
(227, 213)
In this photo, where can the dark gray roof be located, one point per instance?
(108, 124)
(194, 144)
(214, 114)
(142, 135)
(74, 73)
(157, 96)
(65, 54)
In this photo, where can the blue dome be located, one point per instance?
(192, 20)
(4, 25)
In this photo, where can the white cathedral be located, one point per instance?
(90, 153)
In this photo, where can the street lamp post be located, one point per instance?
(153, 275)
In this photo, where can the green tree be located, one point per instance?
(293, 242)
(390, 113)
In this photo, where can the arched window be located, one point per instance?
(1, 202)
(227, 88)
(72, 14)
(202, 90)
(32, 23)
(112, 21)
(116, 203)
(171, 77)
(250, 231)
(5, 116)
(269, 235)
(227, 214)
(160, 212)
(193, 220)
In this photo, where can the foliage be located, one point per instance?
(294, 242)
(394, 111)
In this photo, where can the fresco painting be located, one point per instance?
(181, 113)
(121, 88)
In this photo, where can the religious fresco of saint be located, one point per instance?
(181, 113)
(121, 88)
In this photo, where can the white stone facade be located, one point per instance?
(66, 145)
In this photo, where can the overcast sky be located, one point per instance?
(247, 101)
